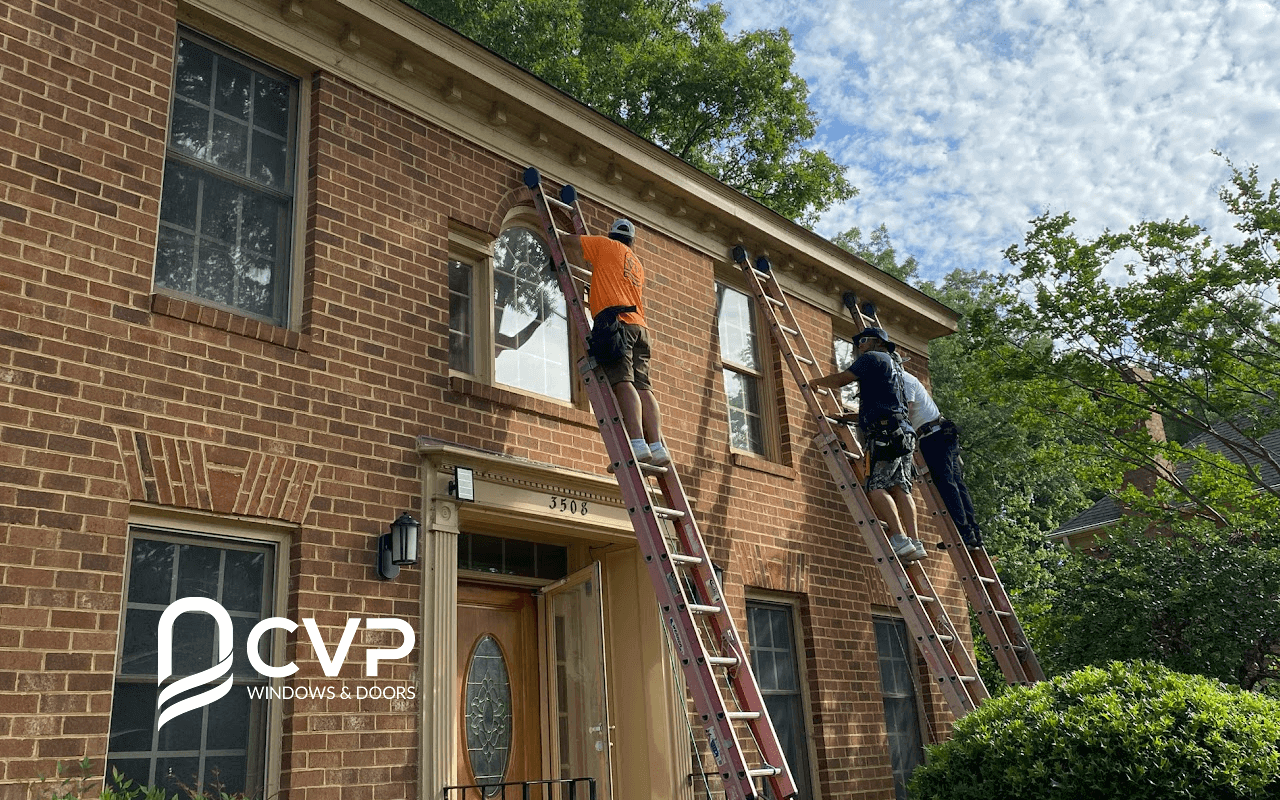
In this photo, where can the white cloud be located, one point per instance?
(961, 121)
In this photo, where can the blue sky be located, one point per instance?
(961, 121)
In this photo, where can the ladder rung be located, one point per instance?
(581, 273)
(1017, 648)
(722, 661)
(803, 359)
(775, 301)
(551, 201)
(743, 715)
(985, 579)
(764, 772)
(967, 678)
(764, 276)
(924, 598)
(791, 331)
(681, 558)
(701, 609)
(653, 469)
(1004, 613)
(668, 513)
(946, 638)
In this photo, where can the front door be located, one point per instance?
(573, 621)
(499, 704)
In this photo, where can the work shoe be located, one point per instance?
(641, 451)
(658, 455)
(921, 552)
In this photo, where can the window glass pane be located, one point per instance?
(775, 662)
(737, 329)
(742, 395)
(531, 333)
(222, 239)
(901, 711)
(460, 328)
(845, 354)
(220, 746)
(512, 556)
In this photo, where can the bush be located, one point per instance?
(1129, 730)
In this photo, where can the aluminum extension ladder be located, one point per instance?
(935, 635)
(683, 579)
(982, 585)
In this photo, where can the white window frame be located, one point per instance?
(761, 375)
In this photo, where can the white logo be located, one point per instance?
(164, 644)
(331, 665)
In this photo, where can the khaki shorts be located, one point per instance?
(634, 365)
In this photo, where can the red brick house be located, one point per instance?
(269, 279)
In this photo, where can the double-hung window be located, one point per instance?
(227, 205)
(901, 706)
(776, 663)
(743, 369)
(507, 315)
(221, 746)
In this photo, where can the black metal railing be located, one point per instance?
(526, 788)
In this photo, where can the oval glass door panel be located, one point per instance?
(488, 714)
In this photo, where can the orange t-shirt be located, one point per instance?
(617, 277)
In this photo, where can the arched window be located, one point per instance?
(519, 339)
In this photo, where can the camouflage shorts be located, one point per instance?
(889, 472)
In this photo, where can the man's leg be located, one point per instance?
(651, 415)
(630, 406)
(886, 510)
(905, 504)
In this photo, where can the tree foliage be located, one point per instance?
(1121, 731)
(666, 69)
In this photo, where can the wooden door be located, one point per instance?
(499, 704)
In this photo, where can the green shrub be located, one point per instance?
(1129, 730)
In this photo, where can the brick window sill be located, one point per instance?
(758, 464)
(522, 402)
(198, 314)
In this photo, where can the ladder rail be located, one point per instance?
(935, 635)
(665, 567)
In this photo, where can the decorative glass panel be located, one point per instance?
(530, 329)
(488, 714)
(901, 712)
(500, 556)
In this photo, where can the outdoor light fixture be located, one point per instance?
(463, 485)
(399, 548)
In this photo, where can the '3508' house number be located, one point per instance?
(568, 505)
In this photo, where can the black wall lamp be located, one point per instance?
(399, 548)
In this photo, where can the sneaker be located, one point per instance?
(907, 550)
(658, 455)
(921, 552)
(641, 451)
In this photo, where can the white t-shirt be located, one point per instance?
(920, 406)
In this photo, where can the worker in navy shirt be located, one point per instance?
(882, 407)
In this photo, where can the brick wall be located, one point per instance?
(110, 396)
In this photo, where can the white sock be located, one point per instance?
(638, 443)
(654, 445)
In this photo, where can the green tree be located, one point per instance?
(666, 69)
(1123, 731)
(878, 250)
(1160, 320)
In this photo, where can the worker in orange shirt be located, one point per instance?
(617, 279)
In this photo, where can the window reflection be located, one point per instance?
(530, 329)
(225, 206)
(736, 322)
